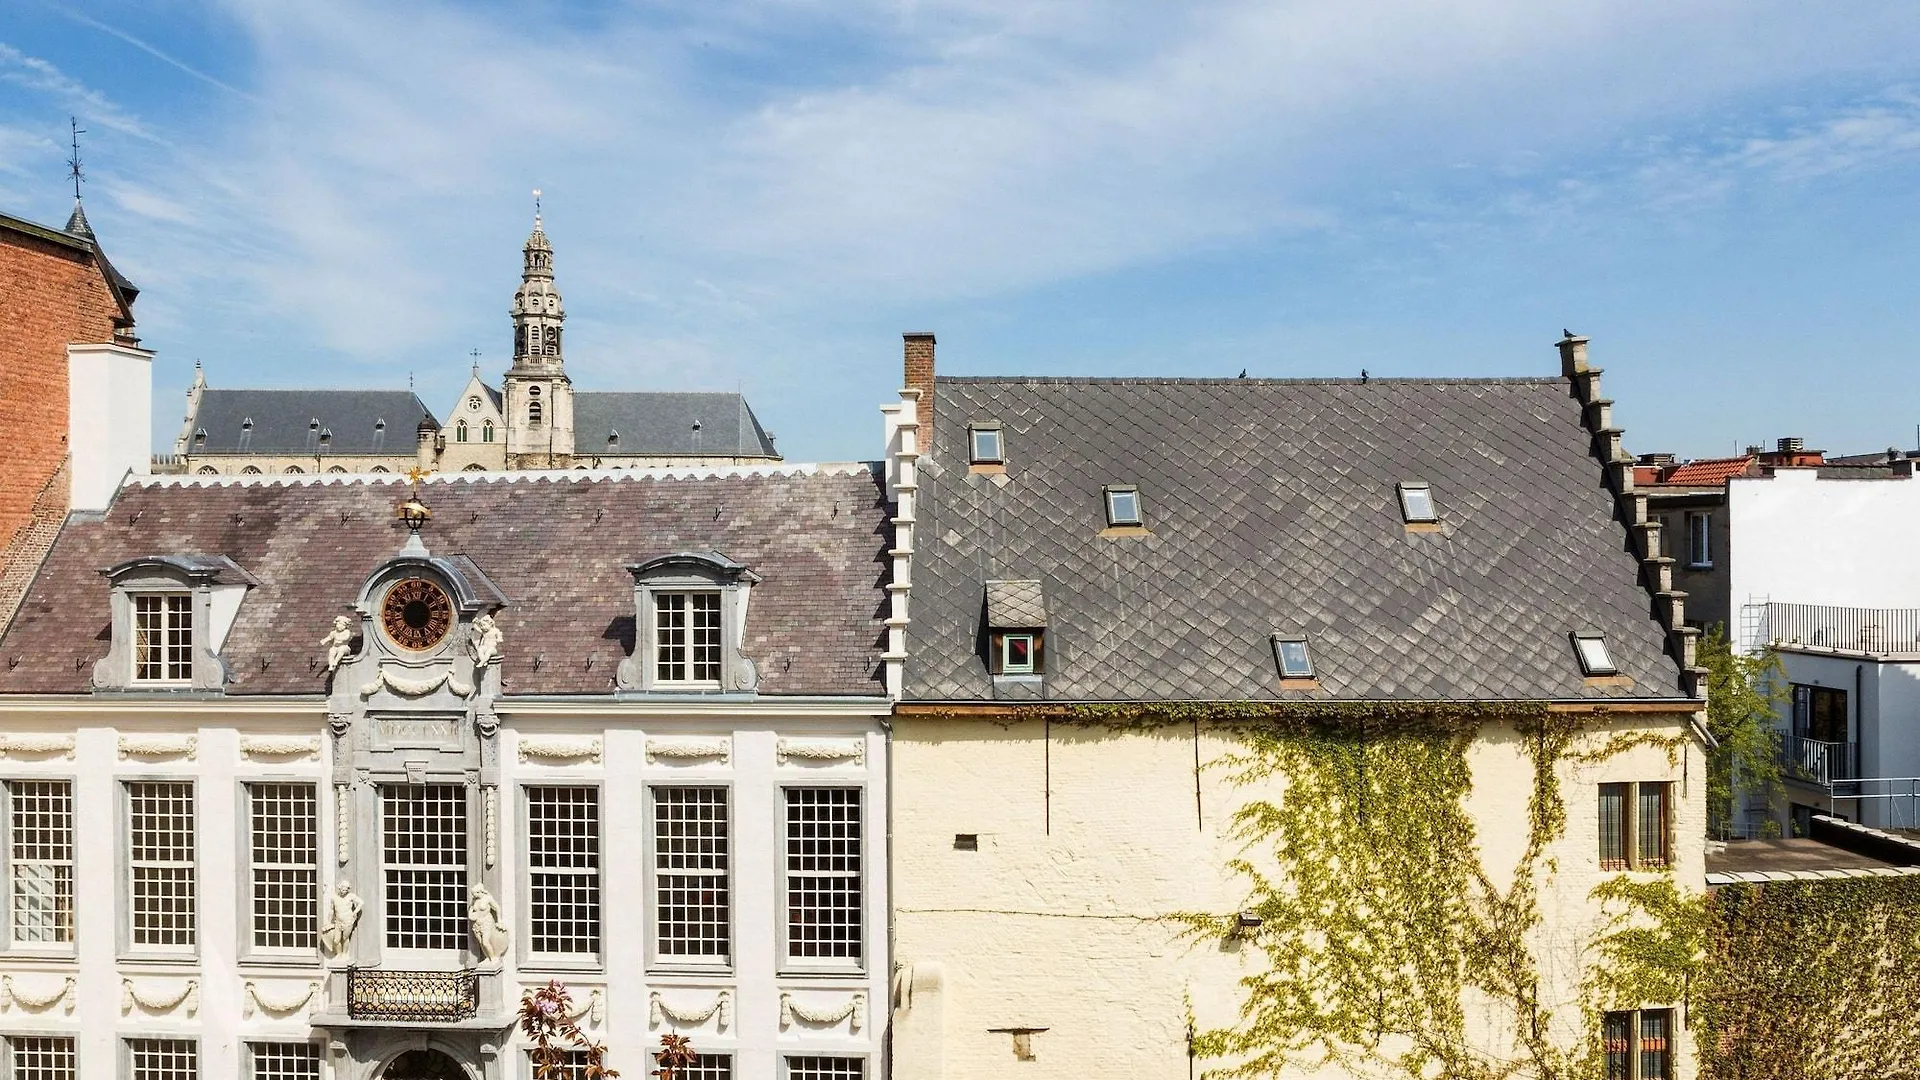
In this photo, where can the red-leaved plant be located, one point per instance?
(675, 1053)
(546, 1015)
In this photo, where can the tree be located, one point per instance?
(547, 1017)
(1744, 697)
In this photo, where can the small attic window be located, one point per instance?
(984, 439)
(1290, 652)
(1590, 646)
(1123, 506)
(1416, 503)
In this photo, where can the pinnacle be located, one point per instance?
(77, 223)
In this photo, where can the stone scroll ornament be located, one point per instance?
(854, 750)
(37, 744)
(12, 994)
(856, 1008)
(560, 748)
(661, 1012)
(131, 995)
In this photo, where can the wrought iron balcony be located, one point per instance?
(428, 996)
(1816, 762)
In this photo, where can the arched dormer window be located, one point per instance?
(460, 431)
(166, 616)
(690, 611)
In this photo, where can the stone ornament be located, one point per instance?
(280, 746)
(560, 748)
(338, 642)
(252, 998)
(406, 687)
(483, 917)
(855, 1008)
(37, 744)
(483, 642)
(339, 723)
(854, 750)
(11, 995)
(159, 746)
(660, 1012)
(592, 1007)
(691, 748)
(131, 995)
(343, 918)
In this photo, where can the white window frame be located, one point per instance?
(1594, 665)
(461, 943)
(14, 862)
(824, 964)
(1007, 666)
(175, 617)
(252, 1048)
(129, 871)
(787, 1055)
(531, 955)
(656, 958)
(127, 1051)
(1416, 503)
(250, 858)
(10, 1068)
(1288, 670)
(686, 666)
(1699, 540)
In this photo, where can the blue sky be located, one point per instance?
(763, 195)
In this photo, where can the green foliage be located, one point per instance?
(1365, 719)
(1744, 696)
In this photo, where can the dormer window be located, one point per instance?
(1290, 652)
(690, 613)
(1123, 506)
(163, 638)
(1591, 649)
(1017, 654)
(985, 445)
(1016, 628)
(686, 639)
(1416, 503)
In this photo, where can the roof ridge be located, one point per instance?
(529, 476)
(1158, 380)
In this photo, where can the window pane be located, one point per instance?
(41, 860)
(1417, 503)
(986, 444)
(1019, 656)
(1294, 661)
(41, 1058)
(1123, 507)
(1656, 1057)
(161, 854)
(285, 1061)
(563, 868)
(687, 637)
(825, 1068)
(164, 1059)
(691, 852)
(823, 873)
(1650, 826)
(1617, 1045)
(163, 637)
(1613, 826)
(286, 870)
(424, 852)
(1594, 656)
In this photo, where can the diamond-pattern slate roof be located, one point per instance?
(1016, 605)
(557, 546)
(1271, 506)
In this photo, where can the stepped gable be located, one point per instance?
(557, 545)
(1271, 506)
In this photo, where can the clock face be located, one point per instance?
(416, 614)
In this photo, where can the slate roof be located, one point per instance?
(283, 421)
(663, 424)
(556, 544)
(1271, 506)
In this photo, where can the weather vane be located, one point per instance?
(536, 206)
(73, 163)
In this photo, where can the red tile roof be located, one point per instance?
(1709, 471)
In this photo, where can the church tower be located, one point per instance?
(539, 397)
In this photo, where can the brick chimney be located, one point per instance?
(919, 363)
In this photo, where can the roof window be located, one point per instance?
(984, 444)
(1290, 652)
(1416, 503)
(1123, 506)
(1591, 648)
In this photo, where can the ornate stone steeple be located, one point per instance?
(539, 397)
(537, 311)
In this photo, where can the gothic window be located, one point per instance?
(251, 470)
(208, 470)
(295, 470)
(486, 431)
(533, 414)
(460, 431)
(378, 468)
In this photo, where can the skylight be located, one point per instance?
(1591, 648)
(1123, 506)
(984, 440)
(1416, 502)
(1291, 653)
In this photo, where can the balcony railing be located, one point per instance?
(1867, 630)
(1816, 762)
(445, 996)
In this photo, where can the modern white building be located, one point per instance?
(293, 791)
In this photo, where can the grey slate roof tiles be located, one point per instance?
(557, 546)
(291, 421)
(1272, 506)
(667, 424)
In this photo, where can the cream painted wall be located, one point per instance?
(109, 419)
(1053, 922)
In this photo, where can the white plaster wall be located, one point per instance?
(1797, 539)
(109, 419)
(1055, 921)
(96, 1014)
(1883, 705)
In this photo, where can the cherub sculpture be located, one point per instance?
(338, 643)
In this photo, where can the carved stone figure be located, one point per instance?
(339, 643)
(483, 642)
(343, 918)
(483, 914)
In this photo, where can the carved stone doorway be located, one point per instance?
(424, 1065)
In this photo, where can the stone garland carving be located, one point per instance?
(660, 1011)
(854, 750)
(280, 746)
(490, 801)
(131, 995)
(11, 995)
(690, 748)
(856, 1007)
(252, 997)
(187, 746)
(37, 744)
(560, 748)
(406, 687)
(592, 1007)
(342, 824)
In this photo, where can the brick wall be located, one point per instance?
(50, 296)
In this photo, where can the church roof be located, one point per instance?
(556, 545)
(665, 424)
(292, 421)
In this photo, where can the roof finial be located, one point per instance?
(475, 353)
(73, 163)
(536, 208)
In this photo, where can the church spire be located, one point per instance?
(537, 311)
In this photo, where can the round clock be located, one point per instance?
(416, 614)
